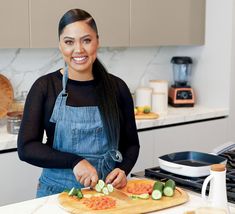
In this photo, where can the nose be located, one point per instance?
(78, 47)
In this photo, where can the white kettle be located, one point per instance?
(217, 192)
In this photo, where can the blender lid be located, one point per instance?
(181, 60)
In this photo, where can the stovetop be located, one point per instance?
(191, 183)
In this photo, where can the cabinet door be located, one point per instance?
(111, 16)
(167, 22)
(146, 155)
(14, 24)
(18, 181)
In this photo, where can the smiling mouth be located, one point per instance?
(80, 60)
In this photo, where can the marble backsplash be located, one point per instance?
(136, 66)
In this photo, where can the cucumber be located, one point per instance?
(97, 188)
(105, 190)
(157, 190)
(79, 194)
(141, 196)
(72, 192)
(110, 187)
(169, 188)
(101, 184)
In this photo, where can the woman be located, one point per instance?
(86, 112)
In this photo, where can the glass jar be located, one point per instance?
(14, 121)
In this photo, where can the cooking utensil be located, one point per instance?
(189, 163)
(6, 95)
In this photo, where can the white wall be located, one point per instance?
(231, 129)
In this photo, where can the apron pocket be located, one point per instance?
(87, 141)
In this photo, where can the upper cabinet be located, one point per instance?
(122, 23)
(14, 24)
(167, 22)
(111, 17)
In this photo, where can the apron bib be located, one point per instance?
(78, 130)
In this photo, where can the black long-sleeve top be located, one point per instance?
(37, 113)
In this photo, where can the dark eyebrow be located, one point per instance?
(67, 37)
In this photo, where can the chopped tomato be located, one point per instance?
(99, 202)
(139, 188)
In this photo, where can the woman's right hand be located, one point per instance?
(85, 173)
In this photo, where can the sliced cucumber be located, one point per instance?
(105, 190)
(79, 194)
(141, 196)
(157, 190)
(101, 184)
(72, 192)
(110, 187)
(169, 188)
(97, 188)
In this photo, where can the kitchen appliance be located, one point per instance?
(180, 93)
(189, 163)
(227, 150)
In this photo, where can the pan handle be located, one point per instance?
(171, 165)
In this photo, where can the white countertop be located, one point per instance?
(50, 205)
(174, 116)
(183, 115)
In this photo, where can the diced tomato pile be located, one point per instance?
(99, 203)
(139, 188)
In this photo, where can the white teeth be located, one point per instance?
(79, 58)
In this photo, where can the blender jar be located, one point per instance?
(181, 70)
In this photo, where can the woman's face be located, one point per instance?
(78, 45)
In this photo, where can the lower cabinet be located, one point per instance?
(18, 180)
(201, 136)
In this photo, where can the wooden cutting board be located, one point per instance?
(6, 95)
(124, 204)
(147, 116)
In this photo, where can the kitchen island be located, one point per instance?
(50, 205)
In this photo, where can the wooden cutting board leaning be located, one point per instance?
(6, 95)
(124, 203)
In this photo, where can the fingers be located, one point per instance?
(85, 173)
(117, 178)
(94, 180)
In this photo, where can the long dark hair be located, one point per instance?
(106, 87)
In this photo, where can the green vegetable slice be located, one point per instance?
(97, 188)
(110, 187)
(157, 190)
(101, 184)
(79, 194)
(141, 196)
(105, 190)
(169, 188)
(72, 192)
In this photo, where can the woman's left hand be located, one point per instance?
(117, 178)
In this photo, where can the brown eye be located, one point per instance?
(68, 42)
(86, 41)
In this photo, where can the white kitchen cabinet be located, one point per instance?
(18, 180)
(145, 159)
(14, 22)
(111, 16)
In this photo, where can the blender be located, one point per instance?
(180, 93)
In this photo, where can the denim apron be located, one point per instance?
(78, 130)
